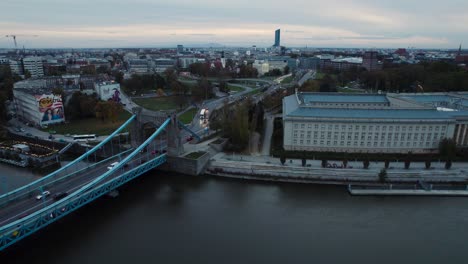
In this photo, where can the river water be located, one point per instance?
(167, 218)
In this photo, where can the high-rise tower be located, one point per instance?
(277, 38)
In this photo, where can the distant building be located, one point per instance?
(138, 66)
(277, 38)
(160, 65)
(341, 63)
(261, 66)
(370, 61)
(34, 66)
(108, 91)
(16, 66)
(311, 63)
(180, 48)
(185, 62)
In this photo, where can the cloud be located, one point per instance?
(156, 22)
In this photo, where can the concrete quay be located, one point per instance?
(269, 168)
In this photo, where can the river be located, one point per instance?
(166, 218)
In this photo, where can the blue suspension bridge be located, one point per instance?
(22, 213)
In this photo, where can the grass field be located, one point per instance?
(254, 92)
(90, 126)
(235, 88)
(187, 117)
(319, 76)
(158, 103)
(287, 80)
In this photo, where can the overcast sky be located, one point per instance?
(156, 23)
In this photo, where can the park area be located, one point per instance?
(90, 126)
(159, 103)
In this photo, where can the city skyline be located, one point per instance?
(144, 23)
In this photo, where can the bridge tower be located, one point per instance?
(151, 119)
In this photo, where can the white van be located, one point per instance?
(112, 165)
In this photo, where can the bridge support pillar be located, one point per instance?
(175, 146)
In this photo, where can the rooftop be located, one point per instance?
(343, 98)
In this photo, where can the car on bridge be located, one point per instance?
(43, 195)
(112, 165)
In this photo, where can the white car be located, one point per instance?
(44, 194)
(111, 166)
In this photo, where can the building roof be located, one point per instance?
(374, 113)
(343, 98)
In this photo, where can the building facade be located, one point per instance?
(34, 66)
(277, 38)
(370, 61)
(363, 123)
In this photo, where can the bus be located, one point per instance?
(84, 137)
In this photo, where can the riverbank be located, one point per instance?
(270, 169)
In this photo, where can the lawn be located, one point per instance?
(187, 117)
(319, 76)
(287, 80)
(157, 103)
(90, 126)
(254, 92)
(235, 88)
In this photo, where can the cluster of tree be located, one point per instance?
(326, 84)
(247, 71)
(423, 77)
(7, 79)
(204, 69)
(203, 90)
(108, 110)
(274, 72)
(82, 105)
(140, 83)
(238, 122)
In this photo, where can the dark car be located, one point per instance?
(59, 196)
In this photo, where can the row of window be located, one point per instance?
(350, 104)
(370, 136)
(364, 144)
(370, 127)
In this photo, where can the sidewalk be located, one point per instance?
(266, 166)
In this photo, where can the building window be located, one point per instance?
(295, 142)
(296, 126)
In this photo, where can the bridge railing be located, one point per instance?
(16, 231)
(23, 227)
(35, 185)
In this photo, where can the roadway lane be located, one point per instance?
(28, 205)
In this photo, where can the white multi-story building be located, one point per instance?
(391, 123)
(261, 66)
(34, 66)
(108, 91)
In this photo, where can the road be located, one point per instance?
(27, 205)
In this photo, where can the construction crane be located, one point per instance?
(14, 38)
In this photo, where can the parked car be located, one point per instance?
(43, 195)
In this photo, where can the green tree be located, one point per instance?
(282, 158)
(387, 164)
(447, 148)
(427, 164)
(324, 163)
(365, 163)
(286, 69)
(383, 175)
(448, 164)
